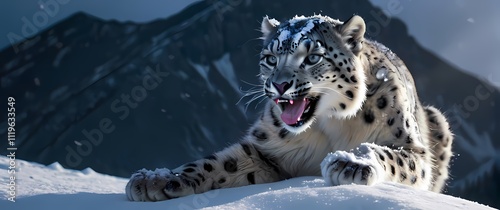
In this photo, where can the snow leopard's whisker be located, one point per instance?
(251, 92)
(324, 93)
(255, 97)
(252, 100)
(255, 85)
(263, 99)
(329, 88)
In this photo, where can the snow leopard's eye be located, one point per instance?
(312, 59)
(271, 60)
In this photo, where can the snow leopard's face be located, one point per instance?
(308, 70)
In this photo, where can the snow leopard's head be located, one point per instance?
(310, 68)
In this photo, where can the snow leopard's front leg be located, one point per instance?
(238, 165)
(370, 164)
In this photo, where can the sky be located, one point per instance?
(465, 33)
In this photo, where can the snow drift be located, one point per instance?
(53, 187)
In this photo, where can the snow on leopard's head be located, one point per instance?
(310, 68)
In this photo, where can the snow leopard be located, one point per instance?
(339, 105)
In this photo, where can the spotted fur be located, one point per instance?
(340, 106)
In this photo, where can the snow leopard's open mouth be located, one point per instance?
(298, 111)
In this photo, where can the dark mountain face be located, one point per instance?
(118, 97)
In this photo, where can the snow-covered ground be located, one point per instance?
(53, 187)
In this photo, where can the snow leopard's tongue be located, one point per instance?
(293, 111)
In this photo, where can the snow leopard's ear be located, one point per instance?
(352, 33)
(268, 27)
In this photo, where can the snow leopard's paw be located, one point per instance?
(158, 185)
(359, 167)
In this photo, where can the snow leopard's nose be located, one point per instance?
(283, 87)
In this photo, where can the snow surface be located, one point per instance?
(53, 187)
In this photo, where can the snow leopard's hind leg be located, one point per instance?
(440, 141)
